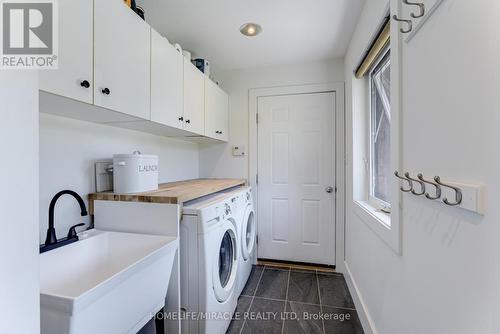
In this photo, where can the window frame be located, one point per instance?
(387, 227)
(385, 55)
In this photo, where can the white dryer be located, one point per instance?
(247, 232)
(209, 259)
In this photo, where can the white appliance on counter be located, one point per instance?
(209, 258)
(135, 173)
(247, 233)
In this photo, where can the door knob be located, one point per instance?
(181, 118)
(329, 190)
(106, 91)
(188, 121)
(85, 84)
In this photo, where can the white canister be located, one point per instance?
(135, 173)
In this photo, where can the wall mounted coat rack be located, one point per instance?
(421, 12)
(455, 194)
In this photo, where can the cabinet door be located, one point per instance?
(73, 78)
(194, 99)
(166, 82)
(216, 111)
(122, 59)
(223, 105)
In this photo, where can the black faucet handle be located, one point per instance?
(72, 230)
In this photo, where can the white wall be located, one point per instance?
(69, 149)
(19, 272)
(216, 160)
(447, 279)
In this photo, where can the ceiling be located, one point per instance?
(293, 31)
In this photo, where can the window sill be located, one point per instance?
(380, 223)
(370, 214)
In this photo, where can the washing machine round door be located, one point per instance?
(249, 231)
(225, 268)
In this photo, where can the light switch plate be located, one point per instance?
(239, 151)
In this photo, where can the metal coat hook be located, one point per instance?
(405, 179)
(438, 187)
(422, 185)
(408, 22)
(420, 5)
(458, 192)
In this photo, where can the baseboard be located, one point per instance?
(363, 313)
(297, 265)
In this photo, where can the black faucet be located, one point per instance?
(51, 241)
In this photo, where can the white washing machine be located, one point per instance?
(209, 259)
(247, 233)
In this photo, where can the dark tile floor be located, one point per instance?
(295, 301)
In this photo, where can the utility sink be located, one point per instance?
(107, 282)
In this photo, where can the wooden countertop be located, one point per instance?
(171, 193)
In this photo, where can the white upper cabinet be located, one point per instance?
(166, 82)
(216, 111)
(194, 99)
(124, 73)
(121, 59)
(73, 78)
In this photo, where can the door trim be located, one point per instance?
(338, 88)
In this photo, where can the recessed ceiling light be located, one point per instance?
(250, 29)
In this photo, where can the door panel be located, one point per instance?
(216, 111)
(194, 99)
(166, 82)
(279, 220)
(76, 44)
(310, 221)
(121, 59)
(224, 115)
(296, 163)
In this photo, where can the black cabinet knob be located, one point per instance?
(188, 121)
(85, 84)
(106, 91)
(181, 118)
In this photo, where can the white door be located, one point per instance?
(296, 178)
(73, 78)
(166, 82)
(121, 59)
(194, 99)
(216, 111)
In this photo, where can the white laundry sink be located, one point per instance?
(107, 282)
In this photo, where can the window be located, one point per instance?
(376, 136)
(380, 132)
